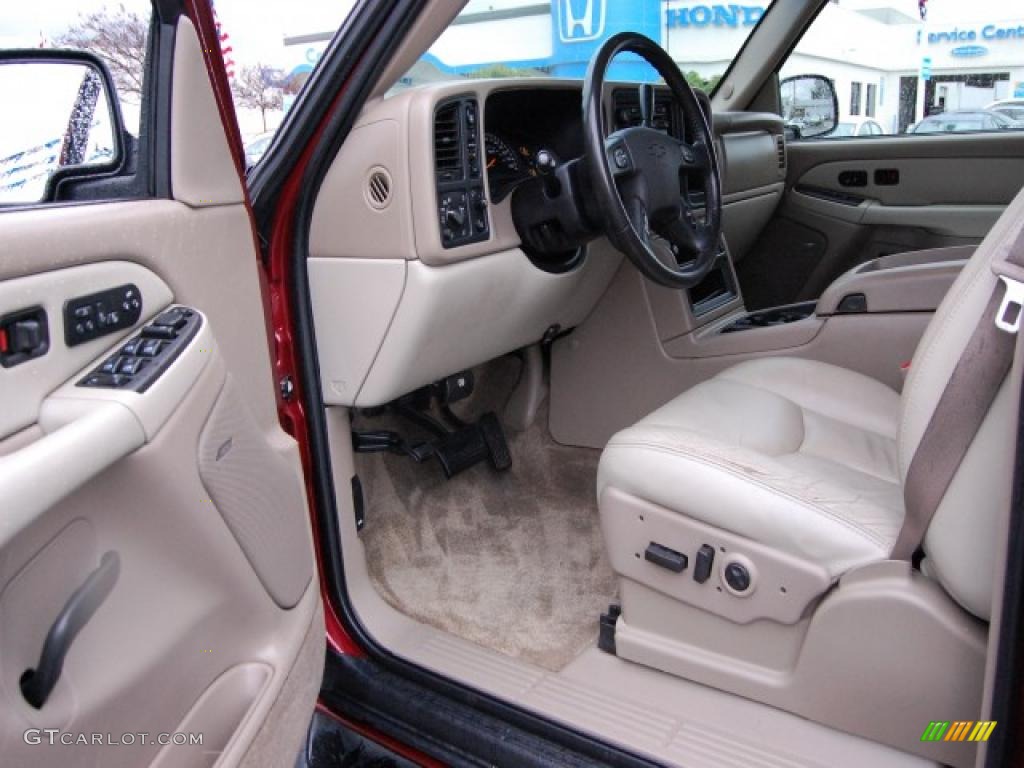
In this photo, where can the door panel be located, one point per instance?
(851, 200)
(212, 624)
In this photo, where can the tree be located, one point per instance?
(119, 38)
(251, 89)
(502, 70)
(706, 84)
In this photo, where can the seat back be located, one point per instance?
(960, 543)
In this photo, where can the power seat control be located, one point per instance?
(98, 314)
(737, 577)
(704, 561)
(137, 363)
(666, 558)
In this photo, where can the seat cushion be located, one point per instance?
(791, 453)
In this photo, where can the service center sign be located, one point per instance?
(966, 40)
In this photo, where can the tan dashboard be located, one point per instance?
(401, 298)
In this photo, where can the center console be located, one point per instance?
(905, 282)
(710, 319)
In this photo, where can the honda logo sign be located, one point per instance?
(581, 20)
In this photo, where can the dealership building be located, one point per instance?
(888, 65)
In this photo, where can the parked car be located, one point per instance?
(964, 121)
(256, 146)
(1012, 108)
(866, 127)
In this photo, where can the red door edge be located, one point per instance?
(277, 304)
(397, 747)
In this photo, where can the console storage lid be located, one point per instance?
(903, 282)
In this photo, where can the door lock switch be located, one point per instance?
(705, 560)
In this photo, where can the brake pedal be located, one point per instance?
(460, 450)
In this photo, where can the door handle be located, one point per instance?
(38, 683)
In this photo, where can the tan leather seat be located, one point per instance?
(792, 453)
(810, 459)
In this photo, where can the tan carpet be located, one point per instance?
(513, 561)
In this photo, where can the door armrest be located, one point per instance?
(907, 282)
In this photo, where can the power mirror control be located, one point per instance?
(98, 314)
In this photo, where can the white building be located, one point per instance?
(875, 51)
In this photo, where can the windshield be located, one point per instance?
(556, 39)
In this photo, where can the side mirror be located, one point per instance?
(810, 106)
(64, 120)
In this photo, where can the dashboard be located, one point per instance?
(416, 268)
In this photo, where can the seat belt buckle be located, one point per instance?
(1012, 306)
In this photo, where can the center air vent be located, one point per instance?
(447, 148)
(462, 214)
(780, 148)
(378, 188)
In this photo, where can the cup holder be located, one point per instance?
(766, 318)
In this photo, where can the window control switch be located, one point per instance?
(149, 347)
(111, 365)
(141, 360)
(159, 332)
(131, 365)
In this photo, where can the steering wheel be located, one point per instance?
(635, 173)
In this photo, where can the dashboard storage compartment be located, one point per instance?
(717, 289)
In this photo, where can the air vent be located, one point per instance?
(462, 215)
(447, 148)
(378, 188)
(780, 148)
(626, 106)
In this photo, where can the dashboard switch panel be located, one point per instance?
(138, 362)
(461, 201)
(89, 317)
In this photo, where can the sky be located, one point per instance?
(256, 27)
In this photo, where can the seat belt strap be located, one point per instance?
(969, 393)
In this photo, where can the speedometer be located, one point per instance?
(505, 168)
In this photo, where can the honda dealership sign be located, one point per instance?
(581, 20)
